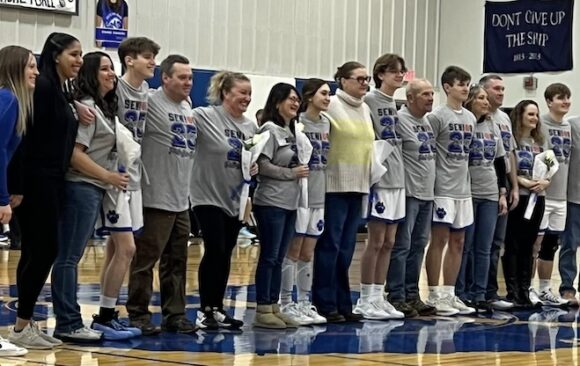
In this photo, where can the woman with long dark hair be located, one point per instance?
(18, 73)
(93, 169)
(297, 266)
(276, 201)
(521, 232)
(48, 148)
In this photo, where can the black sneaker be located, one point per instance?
(224, 320)
(421, 308)
(352, 317)
(147, 328)
(483, 307)
(179, 324)
(333, 317)
(206, 320)
(405, 308)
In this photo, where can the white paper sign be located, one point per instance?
(70, 7)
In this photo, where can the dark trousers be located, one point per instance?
(220, 235)
(519, 243)
(39, 220)
(164, 238)
(334, 251)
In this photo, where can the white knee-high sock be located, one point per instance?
(288, 276)
(304, 280)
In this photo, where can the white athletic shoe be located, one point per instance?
(444, 305)
(8, 349)
(46, 337)
(294, 312)
(246, 234)
(548, 298)
(370, 310)
(500, 304)
(460, 305)
(29, 337)
(388, 308)
(534, 296)
(310, 311)
(81, 335)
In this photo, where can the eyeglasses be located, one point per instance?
(361, 79)
(294, 100)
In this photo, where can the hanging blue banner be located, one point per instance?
(528, 36)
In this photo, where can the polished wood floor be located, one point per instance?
(545, 337)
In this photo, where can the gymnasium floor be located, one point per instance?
(545, 337)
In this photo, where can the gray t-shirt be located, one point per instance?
(453, 132)
(132, 114)
(558, 138)
(168, 150)
(217, 178)
(526, 151)
(486, 146)
(574, 177)
(280, 150)
(99, 139)
(418, 155)
(385, 121)
(504, 123)
(317, 132)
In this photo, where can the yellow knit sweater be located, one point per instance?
(351, 144)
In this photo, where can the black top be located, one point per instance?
(51, 137)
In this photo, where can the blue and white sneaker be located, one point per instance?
(112, 331)
(125, 325)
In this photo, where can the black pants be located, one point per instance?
(220, 235)
(39, 221)
(519, 243)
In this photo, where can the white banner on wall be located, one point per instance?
(70, 7)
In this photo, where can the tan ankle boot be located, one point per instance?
(266, 319)
(290, 323)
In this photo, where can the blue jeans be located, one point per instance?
(80, 208)
(334, 251)
(407, 255)
(276, 227)
(570, 238)
(472, 279)
(498, 240)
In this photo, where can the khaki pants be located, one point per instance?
(164, 238)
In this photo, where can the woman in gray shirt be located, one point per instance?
(215, 188)
(488, 191)
(276, 201)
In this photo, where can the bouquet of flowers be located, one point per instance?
(252, 149)
(304, 151)
(381, 151)
(545, 166)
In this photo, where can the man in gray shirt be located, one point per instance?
(168, 149)
(494, 86)
(413, 233)
(571, 235)
(557, 132)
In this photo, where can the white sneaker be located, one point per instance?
(8, 349)
(29, 337)
(294, 312)
(81, 335)
(310, 311)
(46, 337)
(244, 243)
(388, 308)
(246, 234)
(534, 296)
(500, 304)
(460, 305)
(370, 310)
(548, 298)
(443, 305)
